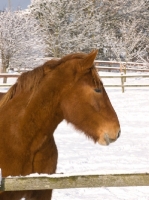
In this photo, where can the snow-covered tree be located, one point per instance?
(82, 25)
(20, 43)
(67, 25)
(129, 44)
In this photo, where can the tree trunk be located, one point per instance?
(5, 65)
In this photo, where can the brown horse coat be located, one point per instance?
(33, 107)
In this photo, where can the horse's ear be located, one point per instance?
(88, 60)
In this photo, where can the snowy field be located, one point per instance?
(129, 153)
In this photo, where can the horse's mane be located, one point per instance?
(30, 80)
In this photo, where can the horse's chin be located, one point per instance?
(103, 143)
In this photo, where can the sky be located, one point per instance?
(15, 4)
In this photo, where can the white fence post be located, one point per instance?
(122, 82)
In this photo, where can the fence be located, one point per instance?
(123, 80)
(121, 76)
(122, 66)
(63, 181)
(105, 65)
(7, 75)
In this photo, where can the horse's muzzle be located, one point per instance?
(107, 140)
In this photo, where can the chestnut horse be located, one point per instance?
(68, 88)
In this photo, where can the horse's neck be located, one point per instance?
(42, 115)
(45, 111)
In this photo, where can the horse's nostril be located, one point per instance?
(119, 133)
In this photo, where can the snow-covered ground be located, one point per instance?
(129, 153)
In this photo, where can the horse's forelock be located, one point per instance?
(96, 77)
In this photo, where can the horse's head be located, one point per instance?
(85, 102)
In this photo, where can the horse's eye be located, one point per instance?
(97, 90)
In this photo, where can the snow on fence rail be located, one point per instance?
(63, 181)
(121, 76)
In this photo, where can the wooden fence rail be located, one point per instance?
(5, 76)
(110, 62)
(121, 66)
(105, 65)
(121, 76)
(123, 80)
(128, 65)
(63, 181)
(109, 69)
